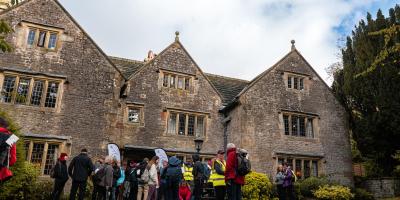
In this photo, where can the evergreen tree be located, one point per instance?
(369, 84)
(4, 30)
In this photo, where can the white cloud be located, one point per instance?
(235, 38)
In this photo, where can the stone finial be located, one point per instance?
(176, 36)
(293, 47)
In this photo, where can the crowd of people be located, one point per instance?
(172, 179)
(284, 179)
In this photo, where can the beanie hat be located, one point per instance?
(62, 156)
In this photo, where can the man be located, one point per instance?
(79, 169)
(218, 175)
(187, 169)
(97, 166)
(233, 181)
(8, 155)
(288, 182)
(105, 183)
(198, 172)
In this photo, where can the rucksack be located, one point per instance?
(53, 170)
(145, 177)
(4, 150)
(98, 176)
(207, 172)
(244, 165)
(173, 176)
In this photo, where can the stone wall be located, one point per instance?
(383, 187)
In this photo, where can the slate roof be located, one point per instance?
(126, 66)
(228, 87)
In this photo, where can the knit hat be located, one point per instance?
(62, 156)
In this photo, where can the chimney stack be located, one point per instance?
(150, 56)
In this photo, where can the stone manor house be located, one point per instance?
(67, 94)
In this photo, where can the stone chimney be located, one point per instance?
(150, 56)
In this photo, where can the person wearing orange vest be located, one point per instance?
(218, 175)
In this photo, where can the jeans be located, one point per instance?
(234, 190)
(74, 188)
(143, 190)
(220, 192)
(58, 188)
(289, 192)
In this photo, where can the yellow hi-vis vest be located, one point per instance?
(217, 179)
(187, 173)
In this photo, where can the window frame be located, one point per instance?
(294, 161)
(175, 80)
(187, 115)
(48, 30)
(136, 106)
(296, 81)
(298, 125)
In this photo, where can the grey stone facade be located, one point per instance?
(97, 91)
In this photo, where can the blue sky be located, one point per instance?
(235, 38)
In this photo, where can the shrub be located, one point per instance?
(333, 192)
(361, 194)
(257, 186)
(309, 185)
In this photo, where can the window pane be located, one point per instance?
(298, 168)
(42, 38)
(37, 153)
(294, 125)
(182, 122)
(187, 83)
(134, 115)
(302, 126)
(8, 88)
(31, 36)
(172, 123)
(172, 82)
(315, 168)
(51, 157)
(289, 82)
(281, 161)
(290, 163)
(286, 124)
(180, 82)
(165, 80)
(306, 168)
(37, 93)
(295, 82)
(26, 148)
(200, 126)
(310, 131)
(52, 41)
(51, 96)
(301, 83)
(191, 125)
(22, 92)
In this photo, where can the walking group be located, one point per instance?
(172, 179)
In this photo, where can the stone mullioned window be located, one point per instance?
(42, 153)
(302, 166)
(41, 36)
(135, 114)
(296, 81)
(37, 91)
(176, 80)
(186, 123)
(300, 125)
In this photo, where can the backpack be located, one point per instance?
(4, 150)
(207, 172)
(53, 170)
(173, 176)
(145, 177)
(132, 177)
(244, 165)
(98, 176)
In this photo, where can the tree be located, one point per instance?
(4, 30)
(368, 86)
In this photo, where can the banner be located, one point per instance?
(162, 157)
(113, 151)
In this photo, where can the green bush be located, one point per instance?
(361, 194)
(333, 192)
(310, 184)
(257, 186)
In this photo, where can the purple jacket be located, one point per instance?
(287, 181)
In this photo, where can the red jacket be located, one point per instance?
(5, 173)
(231, 166)
(184, 193)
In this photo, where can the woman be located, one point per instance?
(279, 182)
(116, 176)
(153, 179)
(60, 174)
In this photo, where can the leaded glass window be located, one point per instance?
(191, 122)
(289, 82)
(37, 153)
(187, 83)
(172, 81)
(51, 96)
(298, 168)
(22, 91)
(307, 169)
(302, 129)
(37, 92)
(200, 126)
(134, 115)
(31, 37)
(180, 82)
(315, 168)
(172, 123)
(294, 125)
(310, 131)
(165, 80)
(42, 38)
(51, 158)
(286, 124)
(52, 41)
(182, 123)
(8, 88)
(301, 84)
(295, 82)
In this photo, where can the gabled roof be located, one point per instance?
(126, 66)
(74, 22)
(227, 86)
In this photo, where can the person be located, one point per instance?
(198, 172)
(218, 175)
(8, 155)
(79, 170)
(60, 175)
(131, 182)
(187, 169)
(279, 182)
(184, 191)
(173, 178)
(97, 166)
(163, 181)
(143, 177)
(233, 181)
(288, 182)
(153, 179)
(105, 183)
(116, 176)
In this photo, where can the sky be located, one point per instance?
(235, 38)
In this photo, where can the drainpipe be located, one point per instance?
(225, 123)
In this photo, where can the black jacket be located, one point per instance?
(60, 171)
(80, 167)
